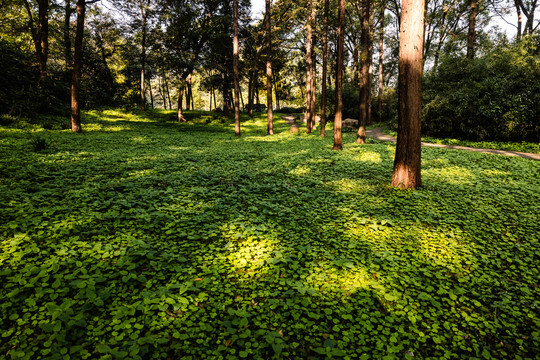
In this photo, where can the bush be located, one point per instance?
(495, 97)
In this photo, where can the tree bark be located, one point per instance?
(471, 36)
(381, 58)
(309, 60)
(519, 24)
(189, 103)
(143, 6)
(364, 74)
(180, 98)
(77, 69)
(406, 173)
(251, 94)
(151, 94)
(235, 70)
(270, 128)
(338, 141)
(40, 36)
(324, 65)
(67, 37)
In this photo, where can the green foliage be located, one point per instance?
(144, 238)
(494, 97)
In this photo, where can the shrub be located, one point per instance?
(495, 97)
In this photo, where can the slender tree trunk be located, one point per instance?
(381, 58)
(251, 94)
(235, 70)
(309, 60)
(270, 128)
(364, 74)
(406, 172)
(166, 85)
(241, 98)
(519, 24)
(162, 91)
(67, 36)
(471, 37)
(214, 94)
(338, 142)
(151, 94)
(77, 68)
(40, 36)
(275, 81)
(370, 62)
(189, 104)
(313, 75)
(257, 89)
(324, 65)
(144, 12)
(180, 98)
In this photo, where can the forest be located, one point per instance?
(315, 179)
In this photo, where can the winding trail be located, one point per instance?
(377, 133)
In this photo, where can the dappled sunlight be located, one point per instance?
(367, 156)
(449, 174)
(300, 170)
(340, 275)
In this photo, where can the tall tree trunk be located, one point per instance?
(67, 36)
(189, 103)
(324, 65)
(313, 75)
(143, 6)
(370, 62)
(235, 70)
(214, 95)
(241, 98)
(251, 94)
(77, 68)
(180, 98)
(166, 86)
(406, 173)
(364, 74)
(338, 142)
(275, 81)
(151, 94)
(40, 36)
(519, 24)
(162, 92)
(270, 127)
(309, 60)
(381, 58)
(471, 36)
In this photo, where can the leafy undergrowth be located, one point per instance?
(526, 147)
(143, 238)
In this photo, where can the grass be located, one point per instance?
(143, 238)
(526, 147)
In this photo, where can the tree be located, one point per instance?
(406, 172)
(235, 70)
(144, 6)
(40, 36)
(381, 58)
(338, 142)
(310, 92)
(471, 36)
(365, 87)
(324, 65)
(77, 69)
(270, 128)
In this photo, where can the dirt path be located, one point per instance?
(377, 133)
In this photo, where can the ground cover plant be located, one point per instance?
(143, 238)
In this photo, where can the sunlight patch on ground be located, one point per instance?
(368, 156)
(449, 174)
(300, 170)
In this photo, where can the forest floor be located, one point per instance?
(143, 238)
